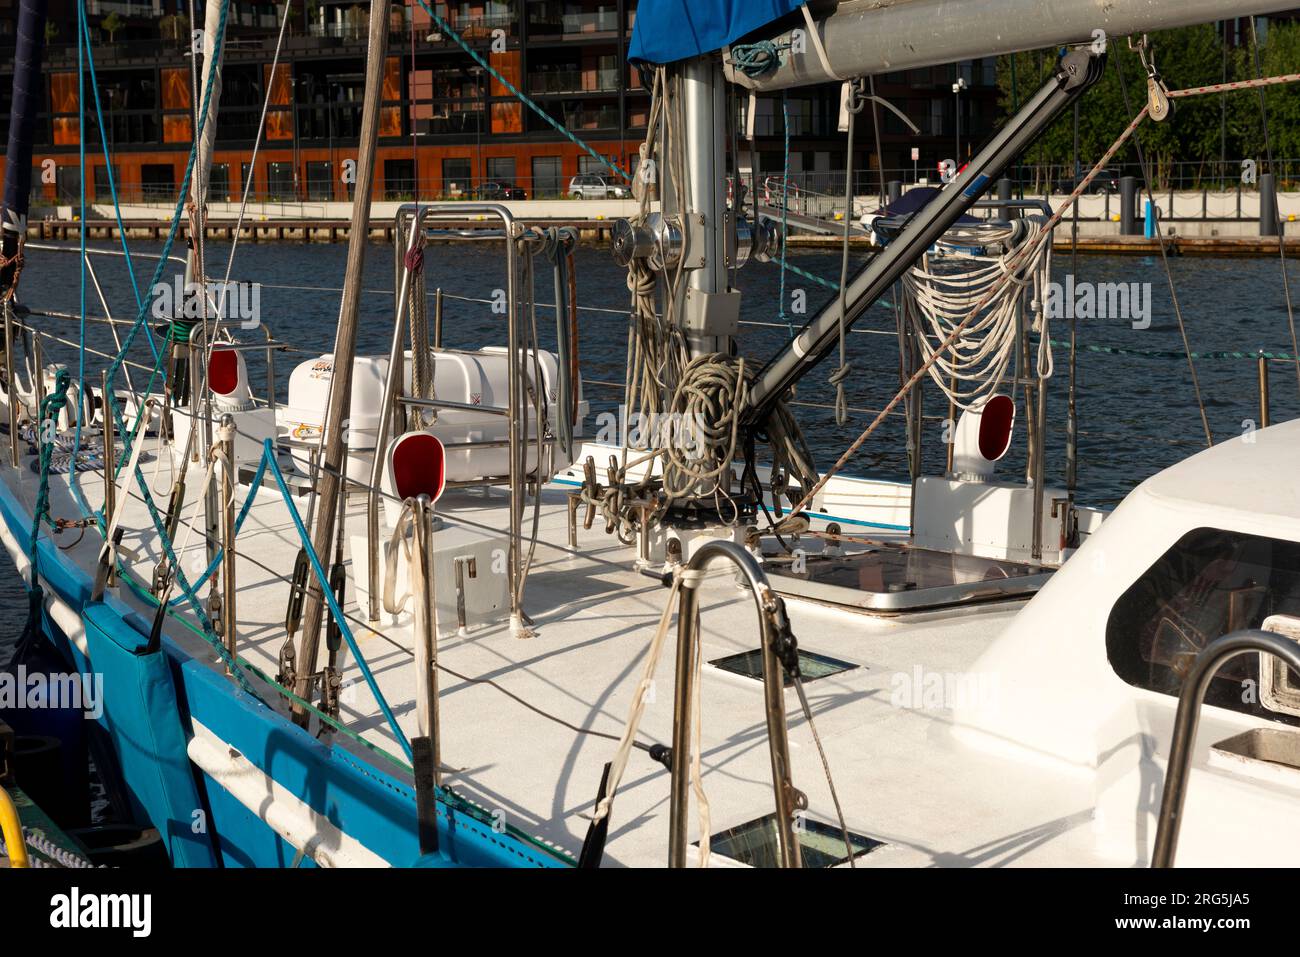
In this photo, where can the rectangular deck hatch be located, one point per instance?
(821, 845)
(900, 578)
(811, 665)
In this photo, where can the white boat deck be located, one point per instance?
(509, 706)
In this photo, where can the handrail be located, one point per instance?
(1213, 657)
(778, 741)
(11, 826)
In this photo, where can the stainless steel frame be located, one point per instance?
(1214, 656)
(418, 214)
(688, 638)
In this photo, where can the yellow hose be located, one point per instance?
(12, 829)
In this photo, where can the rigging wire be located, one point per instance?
(1164, 258)
(1277, 224)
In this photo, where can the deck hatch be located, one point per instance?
(821, 844)
(892, 578)
(811, 665)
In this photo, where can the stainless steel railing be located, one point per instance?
(413, 217)
(1215, 655)
(770, 612)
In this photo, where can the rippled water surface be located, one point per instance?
(1137, 414)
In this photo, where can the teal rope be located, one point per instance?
(108, 165)
(253, 486)
(445, 27)
(53, 404)
(187, 591)
(268, 456)
(1170, 354)
(74, 478)
(755, 59)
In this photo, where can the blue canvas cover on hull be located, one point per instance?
(144, 719)
(671, 30)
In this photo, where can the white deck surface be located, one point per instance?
(901, 776)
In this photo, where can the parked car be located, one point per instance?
(1106, 181)
(495, 191)
(597, 186)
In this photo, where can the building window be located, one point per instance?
(103, 188)
(67, 183)
(548, 176)
(219, 183)
(456, 176)
(158, 182)
(399, 179)
(246, 177)
(501, 169)
(279, 181)
(320, 180)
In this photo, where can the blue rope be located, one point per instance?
(268, 457)
(445, 27)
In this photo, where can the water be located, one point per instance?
(1137, 415)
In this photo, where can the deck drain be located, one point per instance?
(811, 665)
(822, 845)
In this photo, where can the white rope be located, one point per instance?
(637, 709)
(142, 423)
(817, 45)
(936, 301)
(400, 542)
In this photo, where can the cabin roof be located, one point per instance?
(1255, 474)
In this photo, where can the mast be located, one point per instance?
(195, 266)
(344, 351)
(28, 98)
(212, 55)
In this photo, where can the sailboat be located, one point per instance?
(416, 611)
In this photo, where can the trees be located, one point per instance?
(172, 27)
(111, 24)
(1203, 130)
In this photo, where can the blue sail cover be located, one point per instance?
(671, 30)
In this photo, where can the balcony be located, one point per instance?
(124, 8)
(552, 19)
(574, 81)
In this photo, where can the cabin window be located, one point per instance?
(1209, 583)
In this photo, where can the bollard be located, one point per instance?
(1004, 195)
(894, 191)
(1128, 206)
(1149, 224)
(1268, 219)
